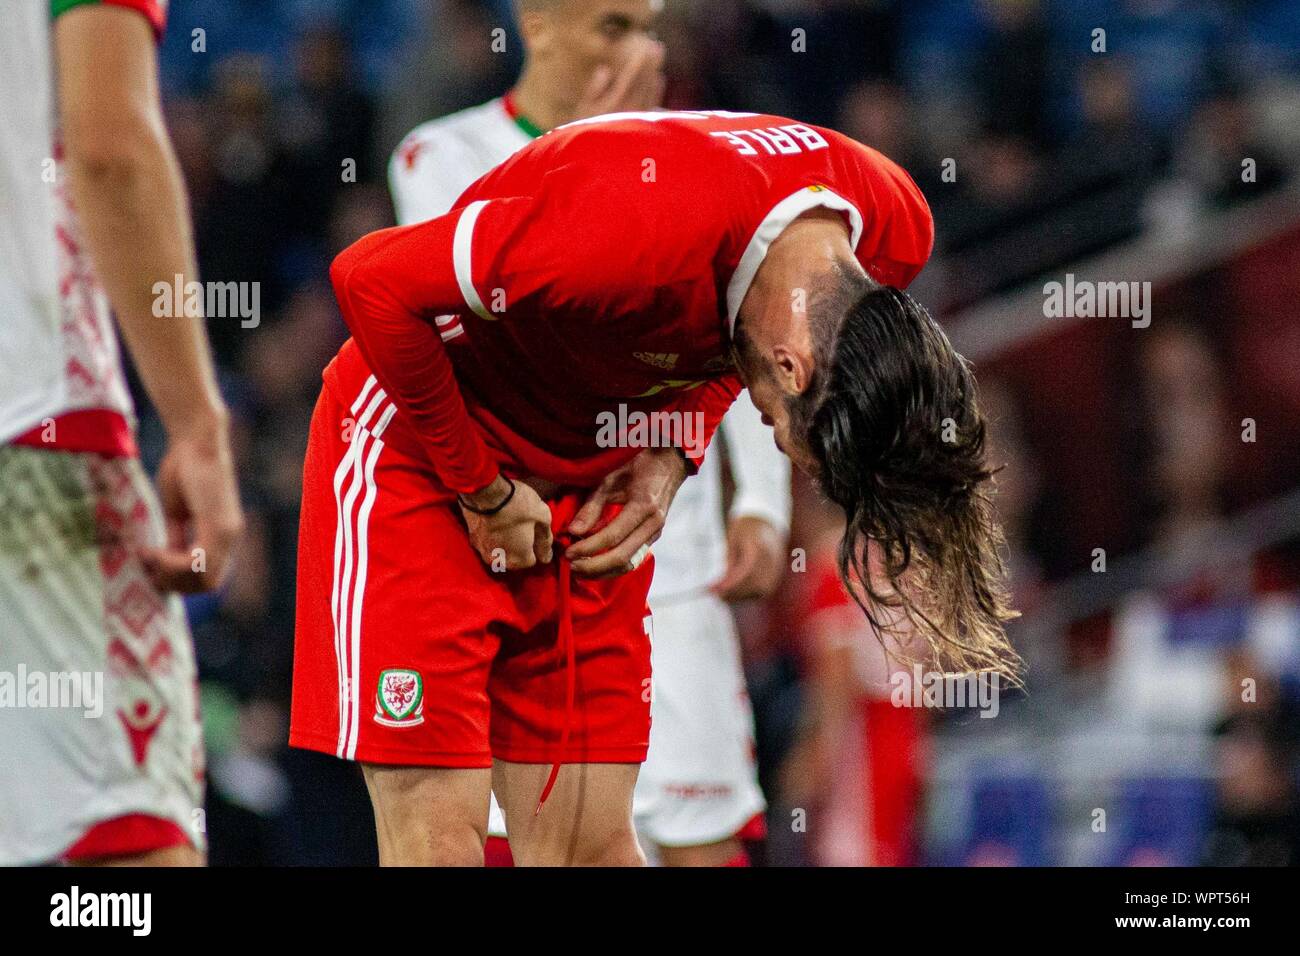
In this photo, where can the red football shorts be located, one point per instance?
(410, 650)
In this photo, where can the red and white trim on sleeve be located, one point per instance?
(449, 326)
(462, 260)
(155, 11)
(775, 223)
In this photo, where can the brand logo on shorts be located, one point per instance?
(400, 701)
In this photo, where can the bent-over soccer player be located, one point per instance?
(474, 550)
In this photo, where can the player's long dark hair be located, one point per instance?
(893, 423)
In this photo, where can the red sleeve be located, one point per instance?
(390, 285)
(712, 399)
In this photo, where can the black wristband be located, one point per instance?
(488, 512)
(689, 462)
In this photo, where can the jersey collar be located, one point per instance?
(523, 122)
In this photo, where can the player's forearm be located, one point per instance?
(389, 285)
(130, 200)
(708, 403)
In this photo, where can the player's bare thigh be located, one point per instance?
(429, 816)
(586, 821)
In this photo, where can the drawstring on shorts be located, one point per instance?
(566, 643)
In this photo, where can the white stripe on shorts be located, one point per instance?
(357, 471)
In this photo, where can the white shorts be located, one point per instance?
(699, 784)
(98, 697)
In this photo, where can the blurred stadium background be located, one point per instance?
(1125, 166)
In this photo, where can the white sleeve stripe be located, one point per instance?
(460, 258)
(773, 224)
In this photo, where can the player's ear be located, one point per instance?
(536, 26)
(794, 370)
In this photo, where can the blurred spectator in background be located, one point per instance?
(1182, 648)
(1222, 158)
(325, 127)
(1166, 668)
(1257, 808)
(1013, 75)
(878, 112)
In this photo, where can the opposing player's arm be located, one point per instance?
(131, 204)
(131, 201)
(760, 471)
(759, 519)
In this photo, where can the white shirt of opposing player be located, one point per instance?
(59, 351)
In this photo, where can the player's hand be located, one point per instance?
(645, 487)
(200, 504)
(520, 532)
(636, 85)
(755, 553)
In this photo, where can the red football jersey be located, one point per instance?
(600, 267)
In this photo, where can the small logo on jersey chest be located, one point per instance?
(400, 700)
(663, 360)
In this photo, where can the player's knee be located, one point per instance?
(622, 849)
(450, 844)
(460, 845)
(617, 848)
(554, 843)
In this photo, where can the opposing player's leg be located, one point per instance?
(586, 821)
(698, 789)
(105, 764)
(429, 816)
